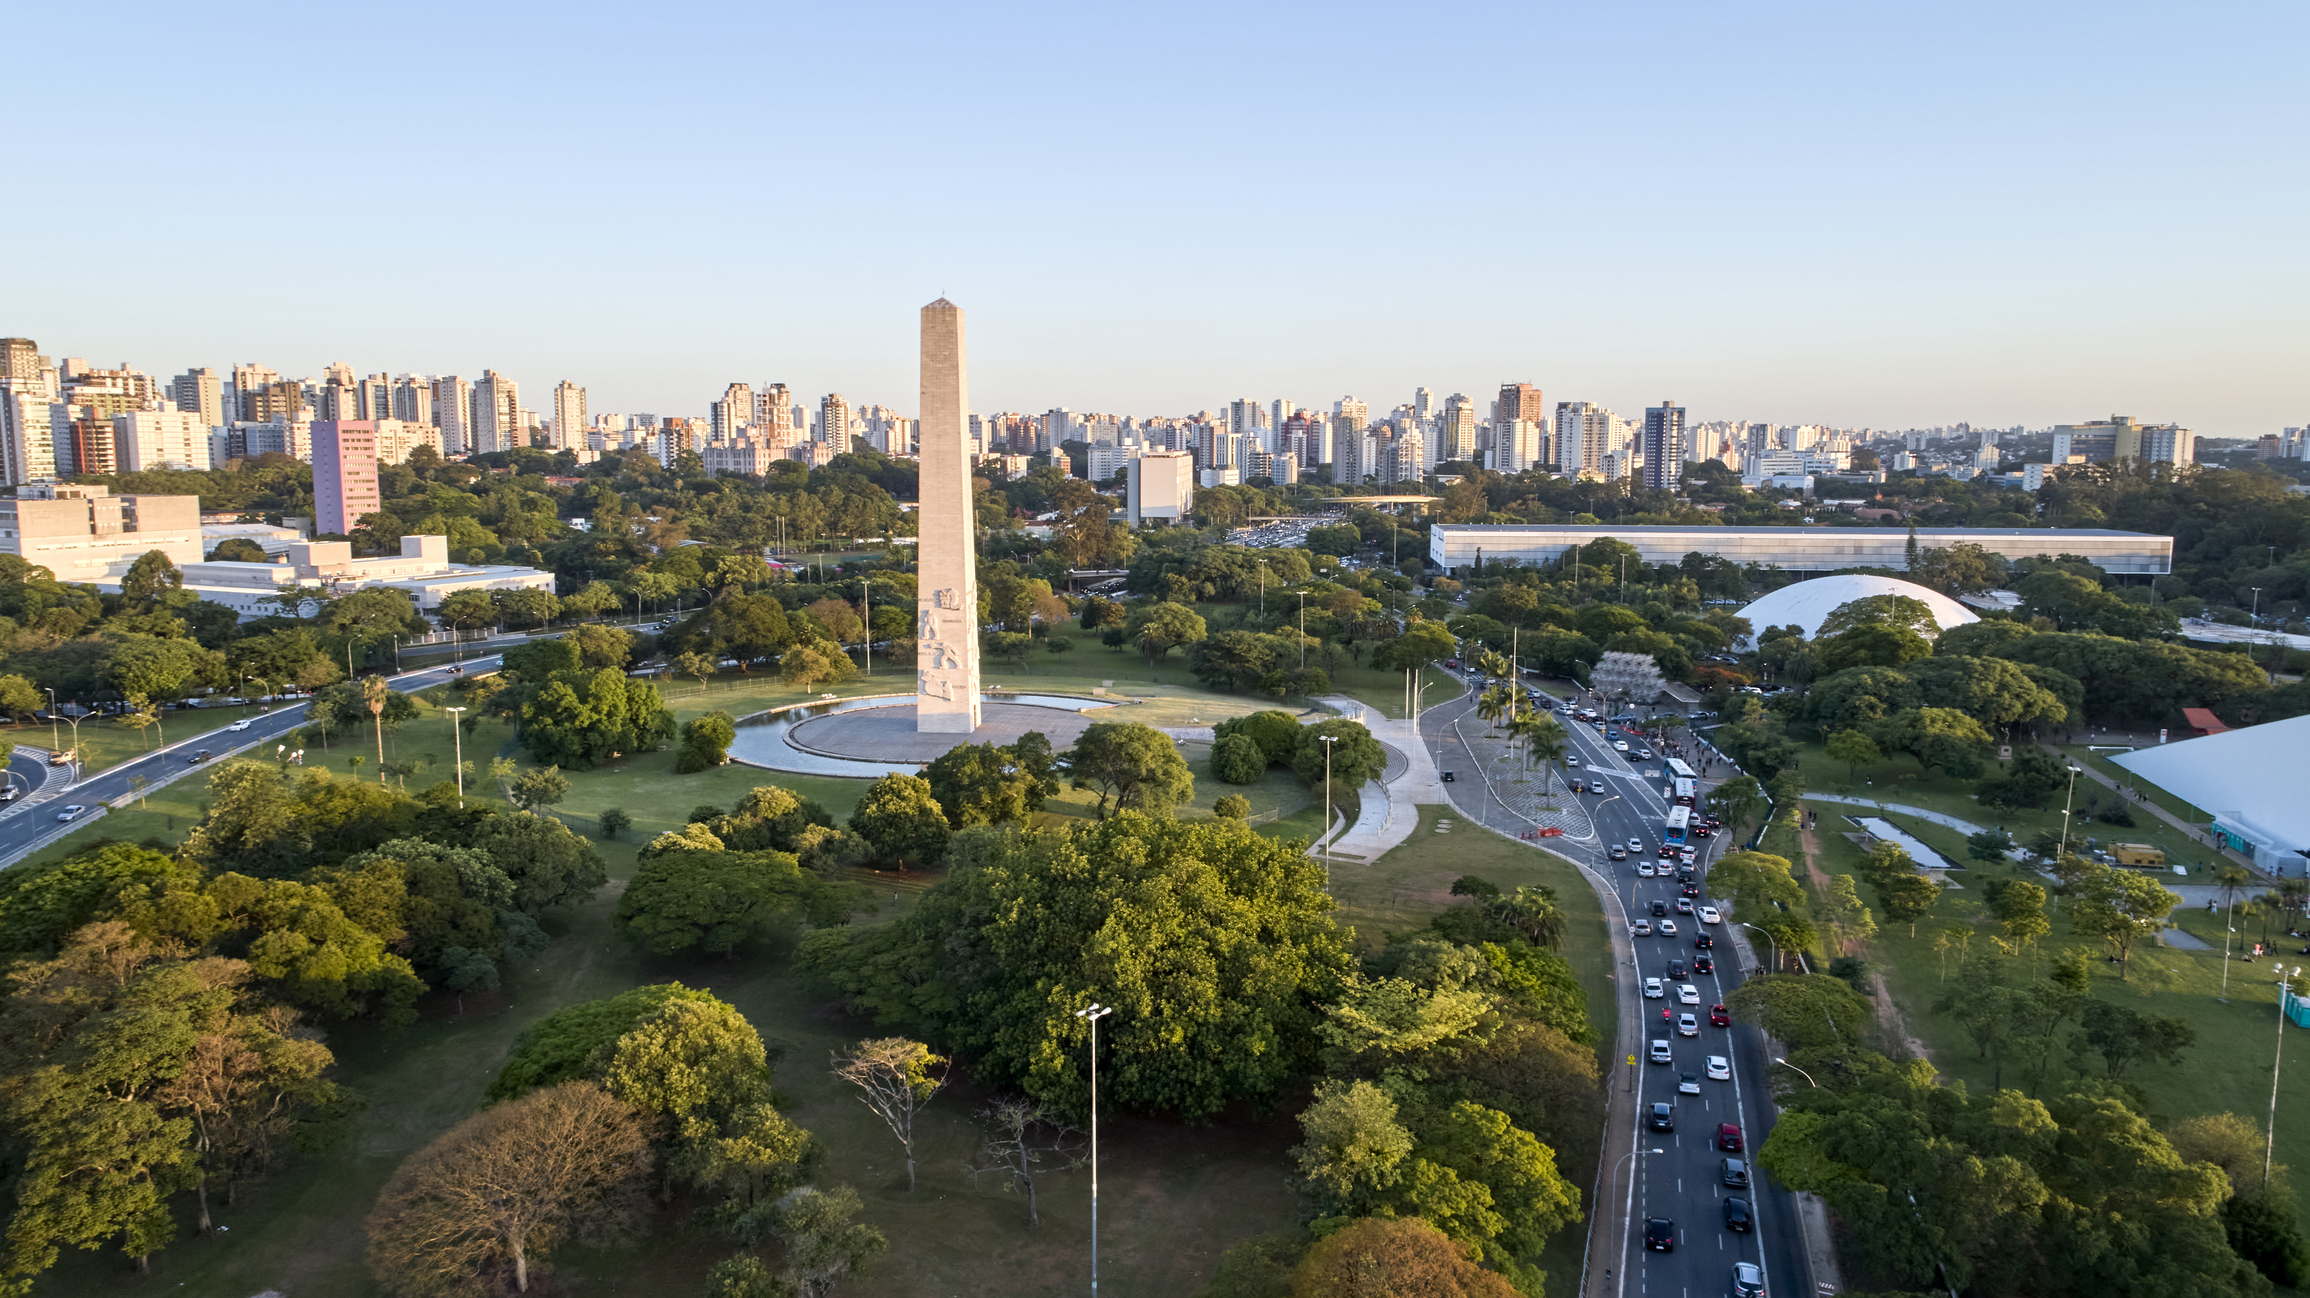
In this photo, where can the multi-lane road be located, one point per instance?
(1682, 1183)
(28, 820)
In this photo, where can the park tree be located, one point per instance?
(19, 698)
(1936, 737)
(491, 1198)
(2033, 776)
(1844, 915)
(566, 1044)
(1020, 1142)
(539, 789)
(1998, 694)
(1757, 882)
(990, 784)
(148, 581)
(1875, 645)
(715, 901)
(900, 818)
(1275, 731)
(1376, 1257)
(1159, 628)
(1237, 759)
(1233, 806)
(1907, 898)
(822, 1241)
(1421, 644)
(806, 666)
(2123, 1037)
(1807, 1011)
(1228, 931)
(580, 719)
(1355, 756)
(1855, 749)
(705, 743)
(1232, 660)
(1904, 611)
(1354, 1147)
(2119, 908)
(1130, 767)
(1737, 799)
(895, 1077)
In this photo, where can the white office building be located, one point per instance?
(1161, 487)
(1797, 549)
(161, 439)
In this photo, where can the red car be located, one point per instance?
(1718, 1017)
(1728, 1138)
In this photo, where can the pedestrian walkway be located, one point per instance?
(2189, 831)
(1390, 811)
(1540, 797)
(1938, 818)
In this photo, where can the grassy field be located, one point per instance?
(2227, 1071)
(1409, 885)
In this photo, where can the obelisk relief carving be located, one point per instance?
(946, 697)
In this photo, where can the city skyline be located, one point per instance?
(1795, 213)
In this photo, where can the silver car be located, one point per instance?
(1748, 1280)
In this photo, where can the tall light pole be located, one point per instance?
(1627, 1218)
(2270, 1140)
(457, 737)
(1303, 630)
(55, 737)
(1769, 938)
(2067, 800)
(1094, 1012)
(1799, 1071)
(866, 624)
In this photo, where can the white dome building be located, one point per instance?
(1808, 603)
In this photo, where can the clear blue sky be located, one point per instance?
(1860, 214)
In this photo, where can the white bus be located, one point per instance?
(1679, 820)
(1680, 792)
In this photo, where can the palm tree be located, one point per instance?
(1530, 911)
(1546, 742)
(1494, 704)
(2232, 876)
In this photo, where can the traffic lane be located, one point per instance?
(119, 781)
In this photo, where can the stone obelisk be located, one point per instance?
(946, 607)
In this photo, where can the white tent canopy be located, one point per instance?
(2249, 780)
(1809, 603)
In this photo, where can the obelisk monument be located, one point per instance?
(946, 606)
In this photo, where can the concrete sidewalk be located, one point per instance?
(1390, 812)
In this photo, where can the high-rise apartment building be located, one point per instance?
(413, 401)
(344, 474)
(1519, 445)
(279, 401)
(733, 411)
(1663, 446)
(1517, 401)
(2120, 437)
(1424, 403)
(1278, 414)
(1406, 458)
(497, 421)
(20, 358)
(160, 439)
(569, 415)
(1245, 418)
(1583, 437)
(200, 392)
(834, 422)
(1456, 430)
(249, 383)
(376, 397)
(774, 413)
(27, 433)
(453, 412)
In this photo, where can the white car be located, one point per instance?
(1687, 1025)
(1644, 928)
(71, 813)
(1636, 845)
(1687, 994)
(1719, 1069)
(1644, 754)
(238, 725)
(1709, 915)
(1572, 761)
(1653, 990)
(1668, 928)
(1620, 745)
(1644, 869)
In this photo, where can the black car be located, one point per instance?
(1676, 970)
(1663, 1118)
(1703, 942)
(1659, 907)
(197, 758)
(1660, 1234)
(1447, 777)
(1739, 1216)
(1736, 1173)
(1701, 964)
(1690, 890)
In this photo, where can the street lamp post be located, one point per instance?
(1627, 1218)
(2067, 800)
(55, 738)
(2270, 1139)
(1769, 938)
(1303, 630)
(457, 737)
(1798, 1071)
(1093, 1013)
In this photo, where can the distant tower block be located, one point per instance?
(946, 611)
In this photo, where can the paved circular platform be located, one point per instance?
(887, 734)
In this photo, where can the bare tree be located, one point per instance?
(896, 1076)
(505, 1186)
(1021, 1139)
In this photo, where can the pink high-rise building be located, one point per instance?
(344, 474)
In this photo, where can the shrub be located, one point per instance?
(615, 821)
(1232, 807)
(1237, 759)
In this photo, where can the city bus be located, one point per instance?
(1680, 792)
(1678, 782)
(1679, 821)
(1676, 769)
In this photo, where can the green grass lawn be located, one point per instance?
(2227, 1071)
(1412, 883)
